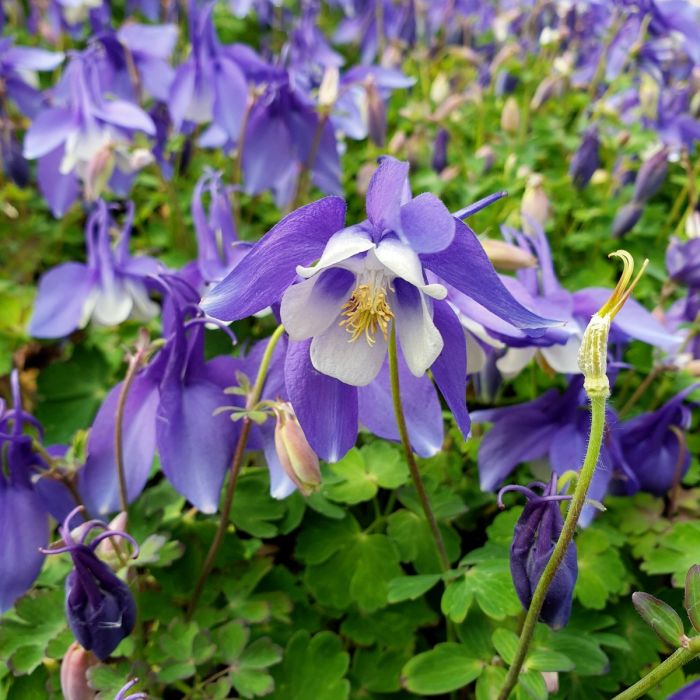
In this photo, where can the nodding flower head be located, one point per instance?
(593, 354)
(536, 534)
(99, 605)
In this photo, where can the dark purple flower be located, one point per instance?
(586, 160)
(84, 136)
(654, 444)
(439, 160)
(683, 262)
(626, 218)
(99, 606)
(651, 176)
(111, 287)
(687, 692)
(536, 533)
(367, 277)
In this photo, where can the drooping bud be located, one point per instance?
(507, 257)
(535, 536)
(586, 160)
(74, 668)
(99, 605)
(593, 353)
(627, 218)
(651, 176)
(299, 461)
(439, 161)
(510, 116)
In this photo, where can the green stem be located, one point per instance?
(595, 442)
(408, 450)
(679, 658)
(234, 469)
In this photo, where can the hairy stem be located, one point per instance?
(408, 450)
(679, 658)
(234, 469)
(595, 441)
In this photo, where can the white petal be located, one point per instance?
(308, 309)
(112, 306)
(514, 360)
(564, 358)
(353, 362)
(476, 355)
(144, 308)
(341, 246)
(420, 340)
(405, 263)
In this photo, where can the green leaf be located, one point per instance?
(262, 653)
(493, 588)
(251, 683)
(506, 643)
(691, 599)
(601, 572)
(410, 587)
(490, 682)
(379, 671)
(548, 660)
(533, 684)
(313, 667)
(321, 538)
(457, 599)
(443, 669)
(675, 551)
(254, 510)
(660, 616)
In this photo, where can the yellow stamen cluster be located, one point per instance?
(365, 312)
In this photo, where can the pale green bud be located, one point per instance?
(297, 457)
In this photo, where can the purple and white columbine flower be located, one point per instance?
(84, 130)
(111, 287)
(367, 278)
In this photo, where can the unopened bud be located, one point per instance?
(510, 116)
(98, 172)
(299, 461)
(376, 114)
(626, 219)
(439, 161)
(74, 668)
(651, 175)
(328, 91)
(586, 160)
(692, 224)
(507, 257)
(551, 86)
(535, 204)
(551, 681)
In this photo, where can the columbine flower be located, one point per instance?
(368, 277)
(68, 137)
(534, 538)
(99, 605)
(687, 692)
(586, 160)
(654, 444)
(110, 288)
(210, 85)
(554, 427)
(683, 262)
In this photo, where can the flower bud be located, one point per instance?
(627, 218)
(376, 114)
(98, 172)
(535, 204)
(74, 668)
(440, 150)
(299, 461)
(510, 116)
(651, 176)
(692, 224)
(507, 257)
(586, 160)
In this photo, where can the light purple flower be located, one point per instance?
(111, 287)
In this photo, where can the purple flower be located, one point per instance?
(210, 86)
(651, 175)
(683, 262)
(654, 445)
(171, 407)
(554, 427)
(439, 160)
(367, 277)
(536, 533)
(99, 605)
(111, 287)
(586, 160)
(83, 130)
(687, 692)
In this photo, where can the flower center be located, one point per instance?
(367, 311)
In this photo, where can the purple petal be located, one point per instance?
(231, 93)
(24, 525)
(98, 481)
(465, 265)
(158, 41)
(450, 368)
(63, 292)
(48, 131)
(385, 192)
(421, 408)
(326, 408)
(426, 224)
(126, 115)
(59, 190)
(270, 266)
(181, 92)
(33, 59)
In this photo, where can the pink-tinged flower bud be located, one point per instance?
(74, 668)
(507, 257)
(294, 452)
(535, 204)
(98, 172)
(510, 116)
